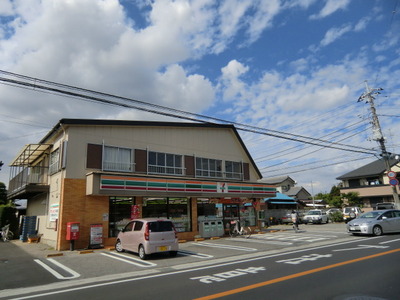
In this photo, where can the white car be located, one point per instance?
(315, 216)
(147, 236)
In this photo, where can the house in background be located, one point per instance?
(286, 185)
(288, 197)
(370, 182)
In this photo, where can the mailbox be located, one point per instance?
(72, 231)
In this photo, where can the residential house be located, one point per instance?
(96, 175)
(370, 182)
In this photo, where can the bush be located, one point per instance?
(8, 215)
(336, 216)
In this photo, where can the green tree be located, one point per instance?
(353, 199)
(3, 194)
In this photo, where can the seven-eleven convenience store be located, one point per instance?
(103, 173)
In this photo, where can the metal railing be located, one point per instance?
(29, 175)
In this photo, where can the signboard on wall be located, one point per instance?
(53, 212)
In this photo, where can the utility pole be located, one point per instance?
(377, 134)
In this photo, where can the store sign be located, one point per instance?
(110, 182)
(53, 212)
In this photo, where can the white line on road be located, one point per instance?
(225, 246)
(193, 254)
(54, 272)
(387, 242)
(362, 247)
(130, 260)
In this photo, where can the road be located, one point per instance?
(282, 265)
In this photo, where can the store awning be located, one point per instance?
(283, 202)
(279, 196)
(281, 199)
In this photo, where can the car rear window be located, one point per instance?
(160, 226)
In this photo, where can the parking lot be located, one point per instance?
(80, 264)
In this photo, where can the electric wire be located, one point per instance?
(90, 95)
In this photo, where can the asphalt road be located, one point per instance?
(321, 259)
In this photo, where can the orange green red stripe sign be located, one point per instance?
(110, 182)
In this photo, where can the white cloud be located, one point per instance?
(331, 6)
(334, 33)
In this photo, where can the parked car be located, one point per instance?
(315, 216)
(376, 222)
(147, 236)
(286, 219)
(350, 213)
(384, 205)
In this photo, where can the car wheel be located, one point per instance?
(173, 253)
(118, 246)
(377, 230)
(142, 252)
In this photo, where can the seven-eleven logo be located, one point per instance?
(222, 187)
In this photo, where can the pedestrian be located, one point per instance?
(295, 220)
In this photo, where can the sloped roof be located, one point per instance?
(280, 196)
(276, 180)
(295, 190)
(372, 169)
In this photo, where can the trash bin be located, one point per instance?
(204, 229)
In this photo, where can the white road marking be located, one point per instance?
(387, 242)
(193, 254)
(231, 247)
(362, 247)
(54, 272)
(130, 260)
(304, 258)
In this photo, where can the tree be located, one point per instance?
(3, 194)
(353, 199)
(333, 199)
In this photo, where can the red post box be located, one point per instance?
(72, 231)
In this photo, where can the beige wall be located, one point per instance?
(213, 143)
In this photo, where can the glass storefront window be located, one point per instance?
(119, 213)
(175, 209)
(247, 214)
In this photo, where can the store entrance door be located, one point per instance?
(230, 213)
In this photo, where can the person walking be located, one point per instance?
(295, 220)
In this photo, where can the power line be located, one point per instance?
(93, 96)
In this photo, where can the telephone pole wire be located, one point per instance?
(377, 134)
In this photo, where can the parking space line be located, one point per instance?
(54, 272)
(262, 240)
(194, 254)
(230, 247)
(130, 260)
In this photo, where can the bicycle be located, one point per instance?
(6, 233)
(235, 231)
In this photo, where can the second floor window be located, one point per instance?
(54, 161)
(233, 170)
(117, 159)
(206, 167)
(165, 163)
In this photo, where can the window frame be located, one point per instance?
(165, 163)
(121, 165)
(208, 167)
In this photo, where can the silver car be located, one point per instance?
(375, 222)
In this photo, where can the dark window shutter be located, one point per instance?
(140, 161)
(94, 156)
(246, 171)
(189, 165)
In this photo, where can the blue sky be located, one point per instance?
(294, 66)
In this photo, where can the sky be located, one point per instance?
(292, 67)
